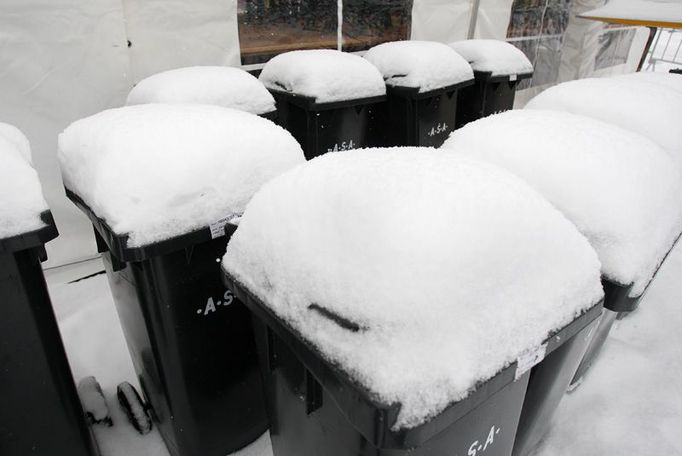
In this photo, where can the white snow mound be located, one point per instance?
(619, 188)
(17, 139)
(498, 57)
(21, 196)
(669, 80)
(323, 74)
(649, 109)
(157, 171)
(223, 86)
(426, 65)
(450, 267)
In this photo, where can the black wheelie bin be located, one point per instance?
(498, 67)
(325, 98)
(40, 412)
(423, 80)
(316, 402)
(190, 339)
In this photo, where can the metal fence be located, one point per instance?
(666, 51)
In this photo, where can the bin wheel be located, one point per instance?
(93, 402)
(134, 407)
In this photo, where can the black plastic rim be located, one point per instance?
(118, 244)
(414, 94)
(487, 76)
(310, 104)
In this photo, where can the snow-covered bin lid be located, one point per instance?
(154, 172)
(423, 65)
(619, 188)
(22, 204)
(493, 56)
(450, 268)
(223, 86)
(669, 80)
(649, 109)
(324, 75)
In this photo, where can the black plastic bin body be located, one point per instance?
(411, 118)
(190, 340)
(325, 127)
(40, 412)
(550, 379)
(616, 302)
(617, 305)
(488, 95)
(315, 409)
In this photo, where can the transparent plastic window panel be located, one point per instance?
(537, 28)
(271, 27)
(614, 47)
(367, 23)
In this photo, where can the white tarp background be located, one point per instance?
(166, 34)
(61, 60)
(441, 20)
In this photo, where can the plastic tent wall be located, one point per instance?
(61, 60)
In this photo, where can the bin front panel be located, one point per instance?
(484, 98)
(326, 130)
(436, 117)
(597, 340)
(306, 421)
(499, 97)
(193, 348)
(40, 412)
(405, 121)
(336, 130)
(548, 383)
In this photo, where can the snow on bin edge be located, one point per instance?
(495, 56)
(619, 188)
(450, 268)
(157, 171)
(21, 194)
(223, 86)
(426, 65)
(323, 74)
(645, 108)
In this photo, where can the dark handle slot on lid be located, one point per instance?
(336, 318)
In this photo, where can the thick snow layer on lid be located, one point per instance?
(620, 189)
(649, 109)
(669, 80)
(18, 140)
(498, 57)
(157, 171)
(222, 86)
(21, 196)
(426, 65)
(324, 75)
(645, 11)
(450, 268)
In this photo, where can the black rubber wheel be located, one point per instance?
(93, 402)
(134, 407)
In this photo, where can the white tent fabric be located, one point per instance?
(66, 59)
(60, 60)
(441, 20)
(167, 34)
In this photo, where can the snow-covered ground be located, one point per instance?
(630, 403)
